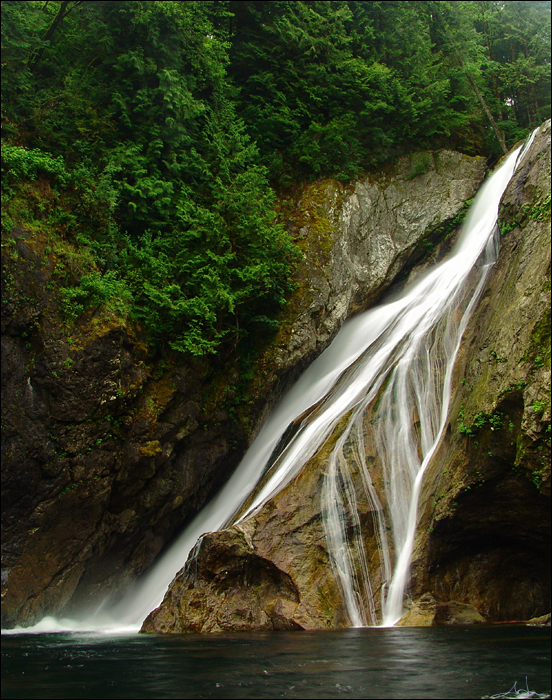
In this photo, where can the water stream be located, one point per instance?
(400, 354)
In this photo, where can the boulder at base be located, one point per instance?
(429, 612)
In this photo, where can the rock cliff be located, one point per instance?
(108, 450)
(484, 531)
(482, 547)
(357, 239)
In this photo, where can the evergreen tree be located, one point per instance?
(133, 96)
(160, 124)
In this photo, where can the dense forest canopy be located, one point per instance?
(152, 136)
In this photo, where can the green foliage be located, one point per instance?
(518, 386)
(20, 163)
(421, 165)
(96, 289)
(331, 87)
(501, 51)
(159, 126)
(322, 95)
(539, 407)
(494, 420)
(462, 427)
(129, 109)
(537, 211)
(538, 475)
(538, 352)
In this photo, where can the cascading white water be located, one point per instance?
(401, 352)
(422, 327)
(409, 352)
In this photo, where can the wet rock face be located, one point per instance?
(100, 459)
(541, 621)
(484, 531)
(105, 455)
(357, 239)
(428, 612)
(286, 540)
(226, 585)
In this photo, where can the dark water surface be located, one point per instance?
(459, 662)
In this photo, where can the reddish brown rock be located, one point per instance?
(428, 612)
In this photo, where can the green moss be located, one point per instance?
(151, 448)
(421, 163)
(69, 488)
(495, 421)
(538, 352)
(498, 360)
(539, 407)
(313, 218)
(327, 606)
(518, 386)
(538, 210)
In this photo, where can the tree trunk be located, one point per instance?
(485, 106)
(62, 13)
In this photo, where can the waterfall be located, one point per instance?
(395, 360)
(401, 353)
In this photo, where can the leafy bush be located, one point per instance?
(20, 163)
(95, 289)
(165, 122)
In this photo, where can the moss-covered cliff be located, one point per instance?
(108, 447)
